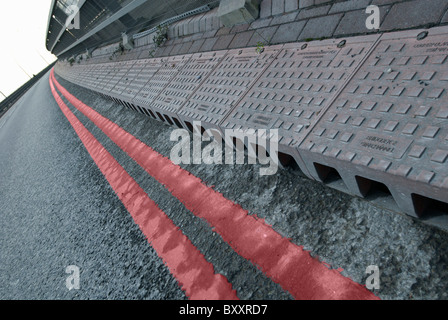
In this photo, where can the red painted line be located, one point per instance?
(284, 262)
(194, 273)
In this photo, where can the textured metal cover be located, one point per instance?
(86, 74)
(390, 123)
(186, 82)
(90, 80)
(136, 78)
(122, 69)
(103, 76)
(111, 70)
(227, 84)
(168, 68)
(298, 87)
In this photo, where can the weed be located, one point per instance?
(260, 47)
(161, 35)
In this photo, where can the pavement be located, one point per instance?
(285, 21)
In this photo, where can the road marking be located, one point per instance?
(284, 262)
(193, 272)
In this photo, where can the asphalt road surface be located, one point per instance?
(57, 209)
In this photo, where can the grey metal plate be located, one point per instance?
(168, 68)
(390, 123)
(122, 69)
(187, 81)
(227, 84)
(138, 75)
(103, 76)
(298, 87)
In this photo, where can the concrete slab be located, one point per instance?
(416, 13)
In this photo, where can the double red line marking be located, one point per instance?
(284, 262)
(193, 272)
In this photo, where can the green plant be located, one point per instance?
(120, 50)
(161, 35)
(260, 47)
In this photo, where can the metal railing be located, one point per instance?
(101, 22)
(172, 20)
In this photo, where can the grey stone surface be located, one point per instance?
(266, 8)
(285, 18)
(354, 22)
(288, 32)
(445, 18)
(414, 13)
(263, 35)
(241, 39)
(305, 3)
(395, 14)
(349, 5)
(313, 12)
(291, 5)
(320, 27)
(208, 44)
(278, 7)
(223, 42)
(196, 46)
(260, 23)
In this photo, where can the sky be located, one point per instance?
(23, 28)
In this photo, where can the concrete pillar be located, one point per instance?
(128, 42)
(233, 12)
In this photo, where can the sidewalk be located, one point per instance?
(284, 21)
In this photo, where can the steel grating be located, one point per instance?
(390, 124)
(297, 88)
(167, 70)
(186, 82)
(226, 85)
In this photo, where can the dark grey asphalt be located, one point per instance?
(58, 210)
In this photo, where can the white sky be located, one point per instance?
(23, 27)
